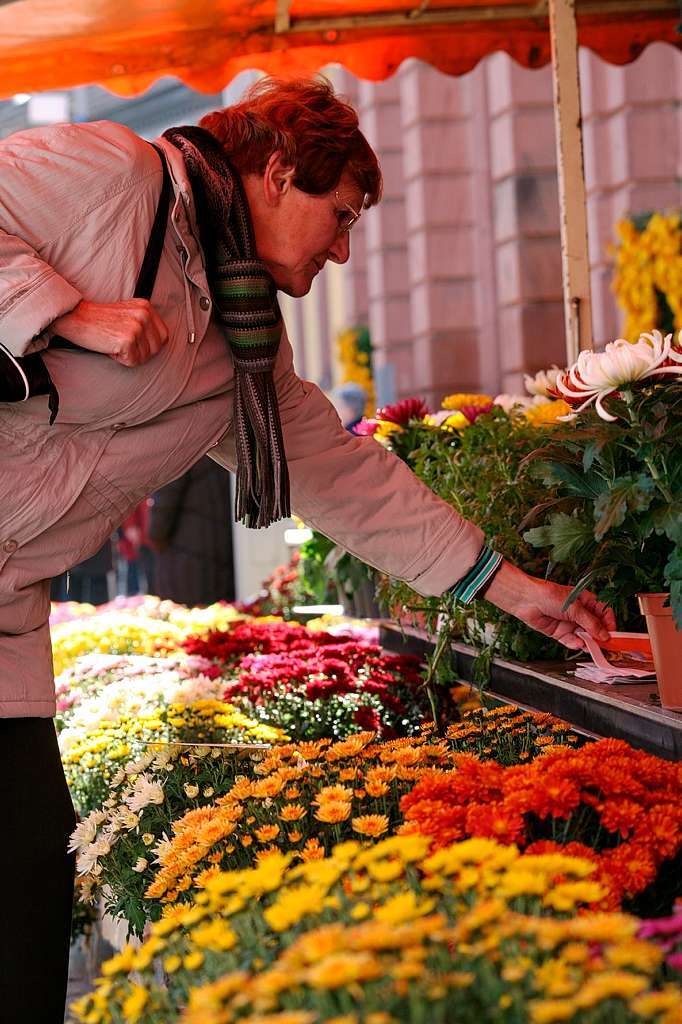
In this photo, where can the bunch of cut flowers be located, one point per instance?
(472, 455)
(387, 933)
(117, 843)
(332, 689)
(616, 806)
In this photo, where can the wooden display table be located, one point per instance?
(627, 712)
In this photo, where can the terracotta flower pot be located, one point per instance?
(666, 644)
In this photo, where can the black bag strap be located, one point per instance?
(152, 257)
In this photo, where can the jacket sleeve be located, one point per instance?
(32, 295)
(362, 496)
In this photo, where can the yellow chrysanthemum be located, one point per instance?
(384, 430)
(461, 400)
(547, 413)
(135, 1003)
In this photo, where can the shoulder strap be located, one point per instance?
(152, 257)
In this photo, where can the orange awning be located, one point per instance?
(126, 45)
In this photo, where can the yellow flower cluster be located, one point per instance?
(111, 633)
(93, 755)
(647, 261)
(462, 400)
(354, 365)
(389, 933)
(546, 414)
(199, 621)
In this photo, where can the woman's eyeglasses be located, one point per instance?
(347, 216)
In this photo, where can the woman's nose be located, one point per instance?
(340, 250)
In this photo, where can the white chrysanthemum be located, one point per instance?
(596, 375)
(86, 861)
(144, 792)
(140, 865)
(512, 402)
(162, 849)
(543, 383)
(126, 818)
(139, 766)
(84, 833)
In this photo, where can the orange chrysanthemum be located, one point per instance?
(292, 812)
(266, 833)
(313, 850)
(370, 825)
(333, 811)
(617, 805)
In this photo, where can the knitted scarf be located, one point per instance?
(245, 303)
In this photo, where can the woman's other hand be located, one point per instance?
(130, 332)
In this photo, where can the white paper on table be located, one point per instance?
(602, 671)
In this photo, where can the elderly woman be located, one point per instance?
(139, 320)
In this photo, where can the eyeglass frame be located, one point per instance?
(356, 214)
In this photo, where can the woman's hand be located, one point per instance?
(539, 604)
(130, 332)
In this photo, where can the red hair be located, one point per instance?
(316, 132)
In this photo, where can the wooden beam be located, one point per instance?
(421, 15)
(572, 199)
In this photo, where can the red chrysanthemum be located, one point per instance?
(403, 411)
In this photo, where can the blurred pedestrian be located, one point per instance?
(90, 581)
(136, 558)
(350, 401)
(192, 541)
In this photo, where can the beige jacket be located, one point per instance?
(76, 208)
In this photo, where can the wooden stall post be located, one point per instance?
(572, 199)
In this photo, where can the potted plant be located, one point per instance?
(615, 477)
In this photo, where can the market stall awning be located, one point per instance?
(126, 45)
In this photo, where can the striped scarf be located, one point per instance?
(245, 302)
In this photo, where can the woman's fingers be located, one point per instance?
(130, 332)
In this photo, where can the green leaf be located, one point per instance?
(581, 483)
(589, 454)
(582, 584)
(568, 536)
(676, 602)
(628, 492)
(668, 520)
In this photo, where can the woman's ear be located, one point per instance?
(278, 178)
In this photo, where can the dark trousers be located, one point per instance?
(36, 819)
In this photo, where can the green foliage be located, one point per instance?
(328, 572)
(482, 471)
(620, 488)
